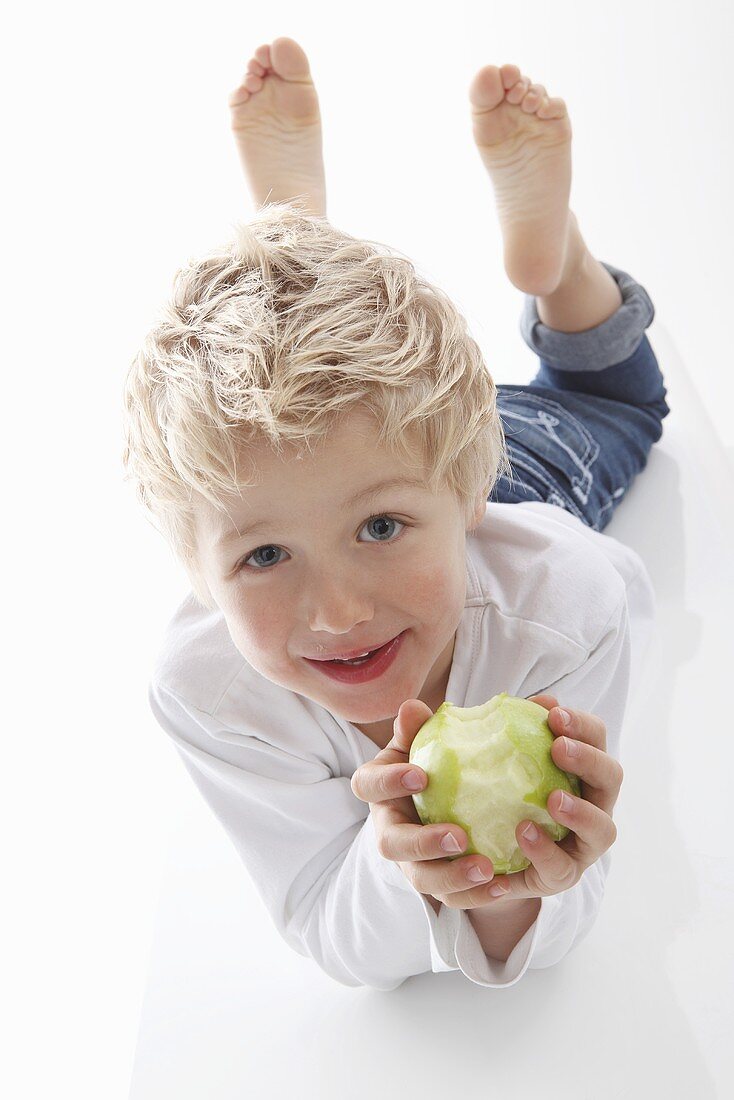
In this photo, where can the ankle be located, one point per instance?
(577, 257)
(586, 296)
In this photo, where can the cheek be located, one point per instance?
(258, 630)
(434, 590)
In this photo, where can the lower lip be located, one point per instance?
(378, 663)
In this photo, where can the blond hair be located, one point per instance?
(274, 337)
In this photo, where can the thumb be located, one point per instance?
(547, 701)
(412, 714)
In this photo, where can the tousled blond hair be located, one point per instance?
(274, 337)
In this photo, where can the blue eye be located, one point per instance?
(262, 566)
(388, 519)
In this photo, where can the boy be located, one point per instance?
(296, 335)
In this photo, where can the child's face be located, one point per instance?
(317, 578)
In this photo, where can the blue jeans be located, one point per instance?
(578, 435)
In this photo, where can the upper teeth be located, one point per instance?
(355, 657)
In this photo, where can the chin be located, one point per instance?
(367, 718)
(383, 708)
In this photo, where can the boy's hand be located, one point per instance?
(555, 865)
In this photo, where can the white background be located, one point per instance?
(119, 166)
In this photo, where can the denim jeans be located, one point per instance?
(578, 435)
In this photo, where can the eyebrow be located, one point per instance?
(363, 494)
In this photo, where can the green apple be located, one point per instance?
(489, 768)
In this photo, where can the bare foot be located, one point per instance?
(277, 127)
(524, 139)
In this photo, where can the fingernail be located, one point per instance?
(497, 891)
(530, 833)
(565, 717)
(450, 844)
(413, 781)
(571, 746)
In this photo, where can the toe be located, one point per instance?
(518, 91)
(262, 54)
(238, 97)
(510, 76)
(552, 108)
(289, 59)
(486, 90)
(252, 82)
(532, 98)
(255, 67)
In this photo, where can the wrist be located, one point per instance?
(501, 925)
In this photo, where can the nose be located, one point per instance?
(338, 606)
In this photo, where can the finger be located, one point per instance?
(556, 867)
(402, 840)
(412, 714)
(449, 881)
(375, 782)
(582, 726)
(552, 869)
(593, 829)
(600, 774)
(546, 701)
(588, 727)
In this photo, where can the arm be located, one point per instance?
(308, 844)
(501, 927)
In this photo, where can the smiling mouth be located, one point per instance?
(364, 656)
(355, 660)
(361, 670)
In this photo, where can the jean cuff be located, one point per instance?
(605, 345)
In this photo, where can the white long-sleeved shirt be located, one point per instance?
(551, 606)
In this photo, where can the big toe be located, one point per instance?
(486, 90)
(289, 60)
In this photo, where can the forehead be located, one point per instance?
(349, 459)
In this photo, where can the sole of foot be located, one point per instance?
(524, 139)
(276, 122)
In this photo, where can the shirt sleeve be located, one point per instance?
(309, 847)
(599, 685)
